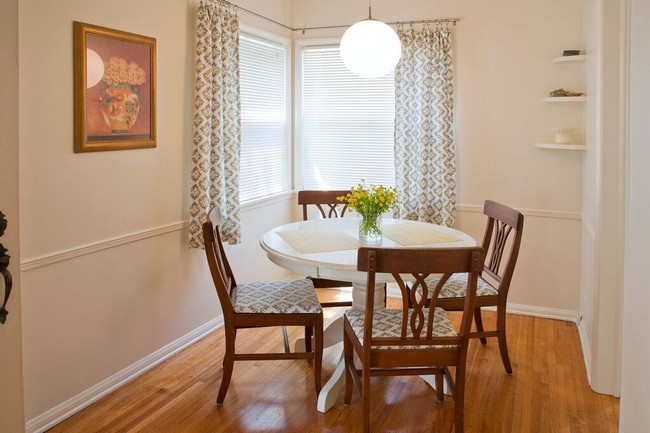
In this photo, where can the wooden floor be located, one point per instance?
(548, 391)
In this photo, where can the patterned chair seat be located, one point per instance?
(277, 297)
(388, 323)
(456, 287)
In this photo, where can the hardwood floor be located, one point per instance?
(548, 391)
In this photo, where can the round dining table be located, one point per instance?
(327, 248)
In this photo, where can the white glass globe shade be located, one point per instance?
(370, 48)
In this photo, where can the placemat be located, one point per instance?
(409, 234)
(319, 240)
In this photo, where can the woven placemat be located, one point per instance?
(409, 234)
(319, 240)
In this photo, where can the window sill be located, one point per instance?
(266, 201)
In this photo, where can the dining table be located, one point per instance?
(327, 248)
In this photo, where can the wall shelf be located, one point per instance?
(557, 146)
(557, 99)
(570, 59)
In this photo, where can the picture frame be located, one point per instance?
(114, 89)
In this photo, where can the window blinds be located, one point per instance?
(264, 141)
(347, 123)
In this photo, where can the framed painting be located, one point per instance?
(114, 89)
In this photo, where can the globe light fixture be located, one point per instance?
(370, 48)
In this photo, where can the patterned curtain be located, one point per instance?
(217, 128)
(425, 155)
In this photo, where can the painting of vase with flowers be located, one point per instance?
(114, 89)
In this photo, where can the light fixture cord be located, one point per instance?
(369, 9)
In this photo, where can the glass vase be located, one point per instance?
(370, 229)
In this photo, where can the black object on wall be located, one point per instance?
(6, 276)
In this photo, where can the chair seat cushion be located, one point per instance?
(456, 287)
(388, 323)
(277, 297)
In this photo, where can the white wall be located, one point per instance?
(635, 381)
(11, 376)
(603, 198)
(108, 278)
(503, 53)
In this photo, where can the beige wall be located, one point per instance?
(108, 278)
(503, 67)
(11, 376)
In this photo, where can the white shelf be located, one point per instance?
(557, 99)
(561, 146)
(570, 59)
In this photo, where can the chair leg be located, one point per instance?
(308, 334)
(365, 395)
(503, 344)
(285, 339)
(318, 351)
(348, 357)
(459, 398)
(478, 320)
(228, 363)
(440, 386)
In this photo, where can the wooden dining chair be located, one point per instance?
(413, 340)
(328, 207)
(494, 281)
(261, 304)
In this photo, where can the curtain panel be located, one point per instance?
(217, 124)
(425, 154)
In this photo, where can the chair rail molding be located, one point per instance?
(536, 213)
(71, 253)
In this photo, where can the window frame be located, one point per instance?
(285, 43)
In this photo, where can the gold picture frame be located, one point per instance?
(114, 89)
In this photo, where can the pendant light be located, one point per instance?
(370, 48)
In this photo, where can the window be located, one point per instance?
(264, 113)
(347, 123)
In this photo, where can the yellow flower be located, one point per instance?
(373, 200)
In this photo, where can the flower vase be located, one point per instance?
(120, 107)
(370, 229)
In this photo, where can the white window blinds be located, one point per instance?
(347, 123)
(264, 141)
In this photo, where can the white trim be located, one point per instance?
(520, 309)
(265, 201)
(82, 250)
(50, 418)
(586, 350)
(538, 213)
(59, 256)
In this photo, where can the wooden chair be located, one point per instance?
(261, 304)
(494, 282)
(411, 341)
(328, 207)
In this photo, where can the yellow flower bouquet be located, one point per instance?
(370, 202)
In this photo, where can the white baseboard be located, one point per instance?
(524, 310)
(73, 405)
(586, 351)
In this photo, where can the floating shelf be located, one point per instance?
(561, 146)
(566, 99)
(570, 59)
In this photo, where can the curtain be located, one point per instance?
(217, 128)
(425, 156)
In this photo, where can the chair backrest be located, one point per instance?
(222, 275)
(325, 201)
(419, 264)
(502, 222)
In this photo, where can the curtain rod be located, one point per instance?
(235, 7)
